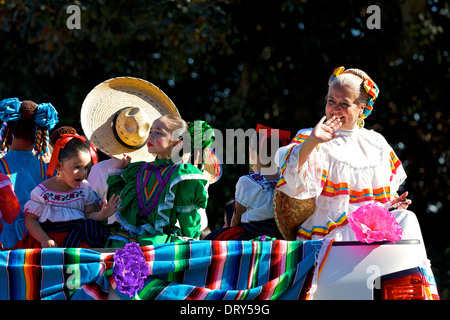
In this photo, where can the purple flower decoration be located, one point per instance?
(130, 269)
(372, 223)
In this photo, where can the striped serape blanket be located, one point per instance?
(53, 273)
(196, 270)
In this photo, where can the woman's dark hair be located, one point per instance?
(72, 148)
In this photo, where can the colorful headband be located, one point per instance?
(283, 135)
(336, 72)
(368, 85)
(61, 143)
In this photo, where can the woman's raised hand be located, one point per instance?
(325, 131)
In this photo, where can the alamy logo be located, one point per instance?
(74, 20)
(374, 21)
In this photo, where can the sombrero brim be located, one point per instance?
(112, 95)
(213, 166)
(290, 213)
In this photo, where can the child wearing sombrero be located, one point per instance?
(117, 117)
(162, 201)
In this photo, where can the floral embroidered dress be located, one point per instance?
(255, 192)
(62, 214)
(356, 168)
(161, 202)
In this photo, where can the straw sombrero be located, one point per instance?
(117, 114)
(290, 213)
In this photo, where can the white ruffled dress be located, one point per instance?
(356, 168)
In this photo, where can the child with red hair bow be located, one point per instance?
(64, 211)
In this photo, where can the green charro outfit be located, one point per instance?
(155, 196)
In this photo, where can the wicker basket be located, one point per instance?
(290, 213)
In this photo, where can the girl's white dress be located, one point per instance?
(255, 192)
(54, 206)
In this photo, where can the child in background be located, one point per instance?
(64, 211)
(253, 206)
(9, 205)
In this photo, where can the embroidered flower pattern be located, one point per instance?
(262, 181)
(50, 196)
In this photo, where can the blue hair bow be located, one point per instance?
(10, 109)
(46, 116)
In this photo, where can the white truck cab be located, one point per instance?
(381, 270)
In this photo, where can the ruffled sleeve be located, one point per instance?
(306, 182)
(117, 178)
(397, 172)
(36, 203)
(245, 191)
(91, 196)
(190, 201)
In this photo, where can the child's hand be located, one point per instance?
(48, 244)
(125, 161)
(110, 207)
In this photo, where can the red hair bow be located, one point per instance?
(283, 135)
(61, 143)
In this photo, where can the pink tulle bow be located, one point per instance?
(372, 223)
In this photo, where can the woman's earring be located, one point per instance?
(58, 177)
(360, 123)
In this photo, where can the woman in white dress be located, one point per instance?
(342, 165)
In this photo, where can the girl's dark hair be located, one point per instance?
(25, 128)
(72, 148)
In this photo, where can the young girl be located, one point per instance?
(23, 136)
(162, 201)
(253, 213)
(64, 211)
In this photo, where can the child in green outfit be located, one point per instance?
(162, 201)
